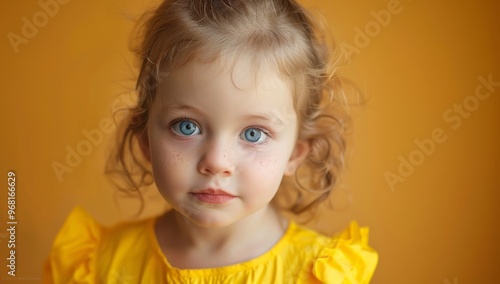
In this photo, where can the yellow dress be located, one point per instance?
(85, 252)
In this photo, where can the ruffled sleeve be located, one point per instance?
(72, 259)
(347, 259)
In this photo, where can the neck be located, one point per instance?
(251, 228)
(263, 226)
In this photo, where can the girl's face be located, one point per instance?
(221, 139)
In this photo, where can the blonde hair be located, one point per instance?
(280, 32)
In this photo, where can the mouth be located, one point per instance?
(213, 196)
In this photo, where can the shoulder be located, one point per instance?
(342, 258)
(127, 236)
(82, 247)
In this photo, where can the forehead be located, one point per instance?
(241, 80)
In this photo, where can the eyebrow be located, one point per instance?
(263, 116)
(275, 118)
(180, 107)
(268, 117)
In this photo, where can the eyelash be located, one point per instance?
(180, 119)
(255, 144)
(185, 118)
(261, 128)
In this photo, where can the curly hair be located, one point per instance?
(278, 32)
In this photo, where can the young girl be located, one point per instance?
(233, 107)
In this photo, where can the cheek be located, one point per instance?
(272, 164)
(164, 157)
(167, 154)
(265, 170)
(169, 165)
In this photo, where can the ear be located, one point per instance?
(299, 153)
(143, 140)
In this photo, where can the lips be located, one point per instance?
(213, 196)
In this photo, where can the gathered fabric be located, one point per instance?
(86, 252)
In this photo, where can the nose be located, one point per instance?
(216, 159)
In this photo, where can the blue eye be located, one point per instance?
(254, 135)
(186, 128)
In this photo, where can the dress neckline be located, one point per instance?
(232, 268)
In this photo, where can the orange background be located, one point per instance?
(437, 224)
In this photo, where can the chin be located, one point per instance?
(207, 218)
(211, 221)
